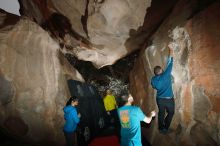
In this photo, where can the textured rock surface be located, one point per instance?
(33, 82)
(34, 72)
(107, 25)
(195, 35)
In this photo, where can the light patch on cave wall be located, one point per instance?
(181, 45)
(116, 85)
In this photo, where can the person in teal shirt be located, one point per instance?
(130, 118)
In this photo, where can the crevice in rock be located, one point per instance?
(84, 19)
(7, 91)
(145, 31)
(21, 10)
(11, 19)
(200, 6)
(58, 25)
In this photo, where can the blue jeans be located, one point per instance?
(165, 105)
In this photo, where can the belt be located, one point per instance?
(164, 97)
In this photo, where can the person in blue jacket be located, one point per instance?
(162, 82)
(130, 117)
(71, 120)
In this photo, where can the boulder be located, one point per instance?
(33, 82)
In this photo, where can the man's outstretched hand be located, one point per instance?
(148, 119)
(170, 51)
(153, 114)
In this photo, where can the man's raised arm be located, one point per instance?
(169, 62)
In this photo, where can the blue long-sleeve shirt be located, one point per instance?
(163, 82)
(71, 117)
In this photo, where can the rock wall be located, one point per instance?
(33, 82)
(100, 29)
(194, 34)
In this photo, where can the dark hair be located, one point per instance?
(157, 70)
(123, 98)
(72, 99)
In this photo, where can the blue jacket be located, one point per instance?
(71, 117)
(163, 82)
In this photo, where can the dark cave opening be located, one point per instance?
(114, 77)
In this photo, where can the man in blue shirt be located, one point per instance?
(162, 82)
(130, 117)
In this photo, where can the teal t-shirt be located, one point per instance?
(130, 117)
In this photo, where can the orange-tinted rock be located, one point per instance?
(196, 71)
